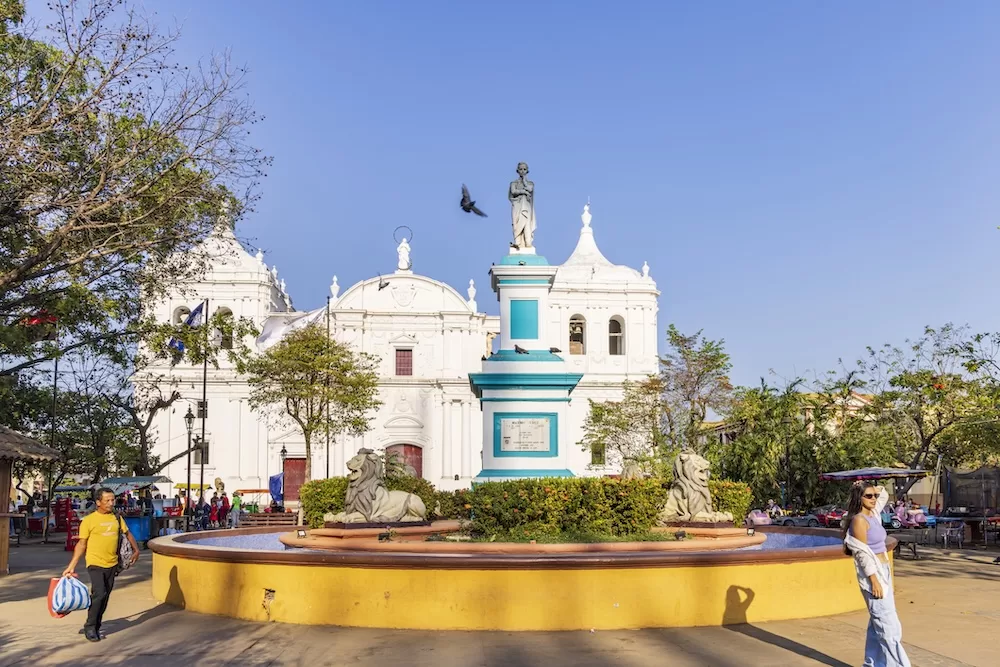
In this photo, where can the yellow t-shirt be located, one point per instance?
(101, 533)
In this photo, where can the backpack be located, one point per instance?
(125, 551)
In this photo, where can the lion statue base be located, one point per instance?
(690, 500)
(368, 501)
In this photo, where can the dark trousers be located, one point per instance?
(102, 580)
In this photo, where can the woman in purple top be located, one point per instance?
(864, 538)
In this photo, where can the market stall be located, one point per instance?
(15, 447)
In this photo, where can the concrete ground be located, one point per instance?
(948, 603)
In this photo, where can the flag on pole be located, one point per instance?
(193, 320)
(279, 326)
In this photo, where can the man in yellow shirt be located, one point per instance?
(99, 541)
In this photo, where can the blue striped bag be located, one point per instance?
(69, 594)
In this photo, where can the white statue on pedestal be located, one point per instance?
(403, 251)
(522, 203)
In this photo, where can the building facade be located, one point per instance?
(428, 337)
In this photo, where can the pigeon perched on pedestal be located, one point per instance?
(554, 350)
(520, 350)
(382, 283)
(468, 205)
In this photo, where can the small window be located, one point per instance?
(225, 333)
(597, 455)
(201, 454)
(181, 314)
(404, 362)
(616, 336)
(577, 335)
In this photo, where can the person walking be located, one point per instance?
(98, 539)
(234, 511)
(864, 538)
(223, 510)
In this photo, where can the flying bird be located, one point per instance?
(554, 350)
(382, 283)
(520, 350)
(468, 205)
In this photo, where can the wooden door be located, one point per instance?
(295, 477)
(411, 455)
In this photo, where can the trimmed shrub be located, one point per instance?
(546, 506)
(734, 497)
(321, 496)
(453, 504)
(327, 495)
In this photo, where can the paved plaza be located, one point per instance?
(947, 602)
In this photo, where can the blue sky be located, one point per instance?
(804, 179)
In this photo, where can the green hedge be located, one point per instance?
(537, 507)
(327, 495)
(733, 497)
(575, 504)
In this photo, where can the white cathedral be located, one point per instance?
(429, 337)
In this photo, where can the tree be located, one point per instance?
(115, 164)
(619, 433)
(695, 379)
(928, 390)
(317, 383)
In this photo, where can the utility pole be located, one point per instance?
(204, 402)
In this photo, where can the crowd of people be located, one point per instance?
(218, 512)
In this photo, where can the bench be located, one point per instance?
(911, 537)
(259, 519)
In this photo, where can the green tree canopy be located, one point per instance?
(316, 383)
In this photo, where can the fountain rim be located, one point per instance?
(177, 546)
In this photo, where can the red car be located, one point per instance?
(829, 515)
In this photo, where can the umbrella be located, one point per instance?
(120, 485)
(872, 473)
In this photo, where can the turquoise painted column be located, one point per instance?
(524, 388)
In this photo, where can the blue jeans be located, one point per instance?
(884, 643)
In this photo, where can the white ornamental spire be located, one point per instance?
(586, 217)
(334, 288)
(472, 295)
(645, 269)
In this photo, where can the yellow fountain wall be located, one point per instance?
(570, 599)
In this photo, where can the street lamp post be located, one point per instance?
(201, 479)
(189, 424)
(283, 454)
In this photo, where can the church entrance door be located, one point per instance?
(411, 455)
(295, 477)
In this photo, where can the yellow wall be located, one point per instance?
(603, 599)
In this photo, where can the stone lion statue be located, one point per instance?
(690, 499)
(368, 501)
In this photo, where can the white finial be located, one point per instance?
(260, 255)
(334, 288)
(586, 217)
(403, 250)
(472, 294)
(283, 286)
(274, 272)
(645, 269)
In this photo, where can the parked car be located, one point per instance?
(801, 520)
(757, 517)
(829, 515)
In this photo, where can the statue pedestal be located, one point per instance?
(524, 388)
(385, 526)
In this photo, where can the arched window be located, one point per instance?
(224, 334)
(577, 335)
(616, 336)
(181, 314)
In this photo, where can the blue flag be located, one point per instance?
(193, 320)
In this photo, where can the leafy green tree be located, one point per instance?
(695, 380)
(316, 383)
(620, 433)
(116, 163)
(928, 391)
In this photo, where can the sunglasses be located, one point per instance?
(870, 496)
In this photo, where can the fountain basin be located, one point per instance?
(249, 574)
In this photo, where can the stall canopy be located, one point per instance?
(122, 485)
(872, 473)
